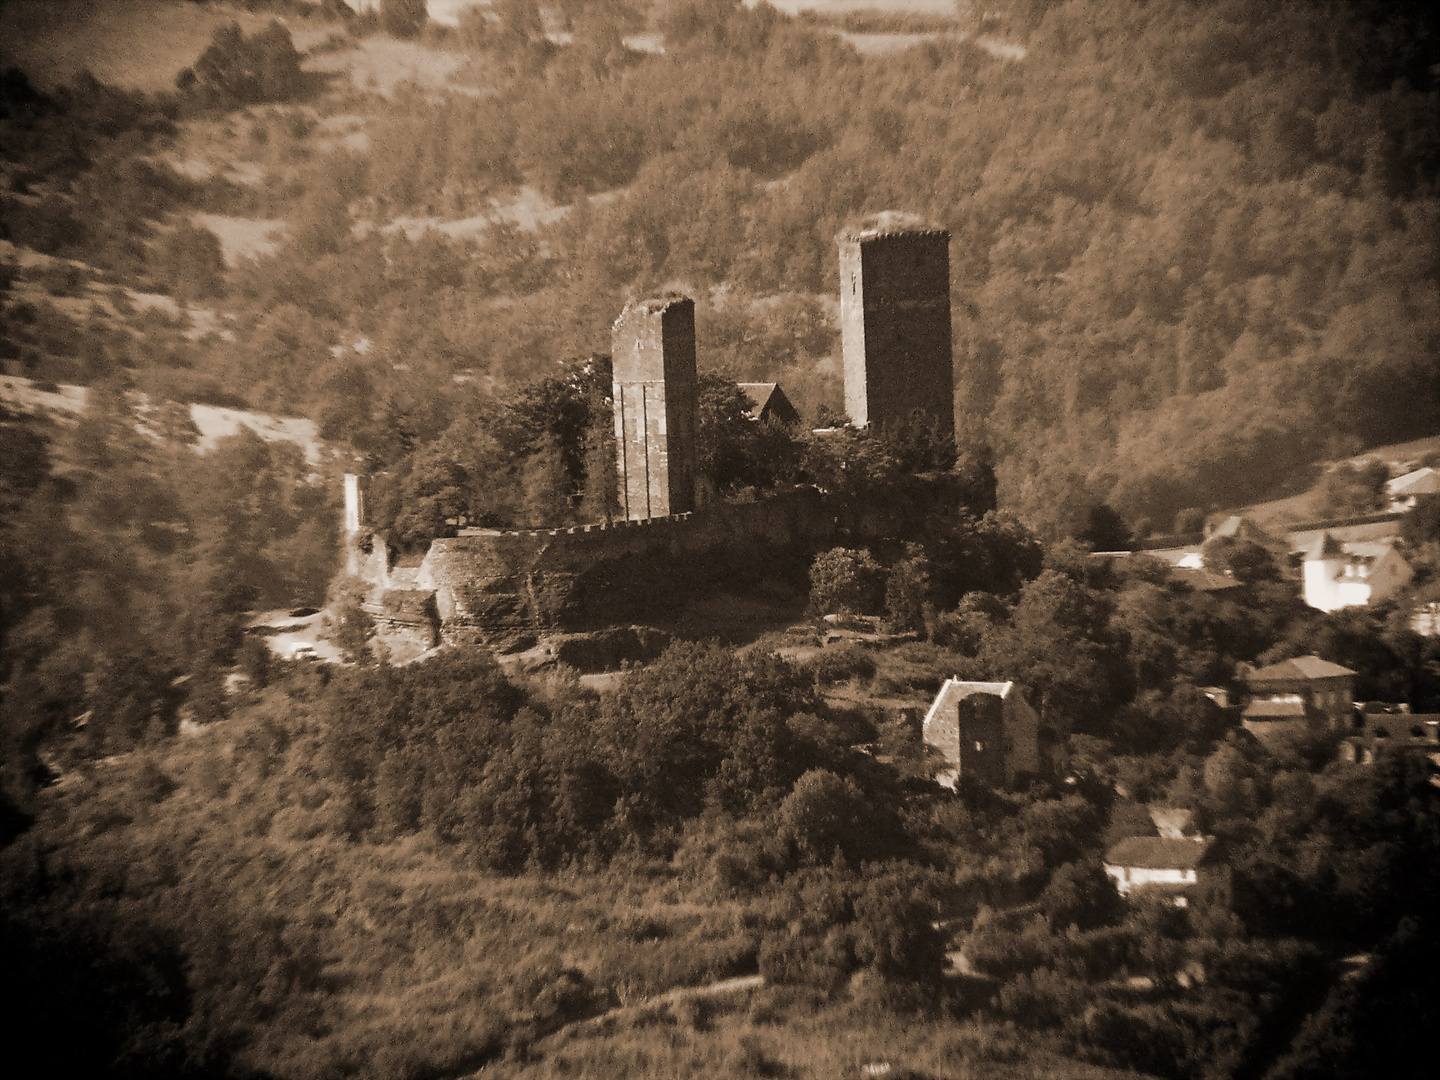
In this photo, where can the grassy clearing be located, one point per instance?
(1307, 506)
(381, 64)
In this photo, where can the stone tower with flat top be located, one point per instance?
(895, 321)
(653, 354)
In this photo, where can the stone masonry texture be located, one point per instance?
(653, 350)
(895, 322)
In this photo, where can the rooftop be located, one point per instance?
(1301, 667)
(1159, 852)
(1424, 481)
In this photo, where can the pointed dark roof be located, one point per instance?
(768, 402)
(1323, 547)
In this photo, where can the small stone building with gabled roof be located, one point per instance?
(986, 732)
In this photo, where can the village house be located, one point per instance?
(986, 732)
(1183, 869)
(1298, 695)
(1405, 491)
(1378, 727)
(1339, 574)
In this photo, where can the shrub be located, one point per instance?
(843, 581)
(236, 70)
(841, 662)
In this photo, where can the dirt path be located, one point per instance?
(736, 985)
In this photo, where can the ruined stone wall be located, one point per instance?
(895, 324)
(494, 586)
(653, 353)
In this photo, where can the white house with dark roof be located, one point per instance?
(1340, 574)
(1180, 868)
(985, 731)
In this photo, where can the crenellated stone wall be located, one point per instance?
(501, 587)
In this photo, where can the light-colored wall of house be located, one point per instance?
(1268, 729)
(1327, 590)
(1129, 877)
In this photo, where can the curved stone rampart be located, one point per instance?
(505, 584)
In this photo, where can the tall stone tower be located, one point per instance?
(653, 352)
(895, 320)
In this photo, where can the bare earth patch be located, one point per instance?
(243, 238)
(381, 64)
(216, 423)
(527, 208)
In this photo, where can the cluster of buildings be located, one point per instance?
(987, 733)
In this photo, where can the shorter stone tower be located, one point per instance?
(653, 352)
(895, 321)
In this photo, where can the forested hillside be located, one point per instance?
(1194, 245)
(1195, 248)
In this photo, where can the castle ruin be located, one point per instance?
(653, 353)
(506, 588)
(895, 321)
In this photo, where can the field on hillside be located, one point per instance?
(139, 44)
(1307, 506)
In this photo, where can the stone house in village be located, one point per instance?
(1397, 729)
(1298, 695)
(985, 731)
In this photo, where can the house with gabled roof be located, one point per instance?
(1339, 574)
(985, 731)
(1405, 491)
(1180, 868)
(1296, 695)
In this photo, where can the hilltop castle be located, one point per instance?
(504, 588)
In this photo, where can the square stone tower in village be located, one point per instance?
(895, 321)
(653, 352)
